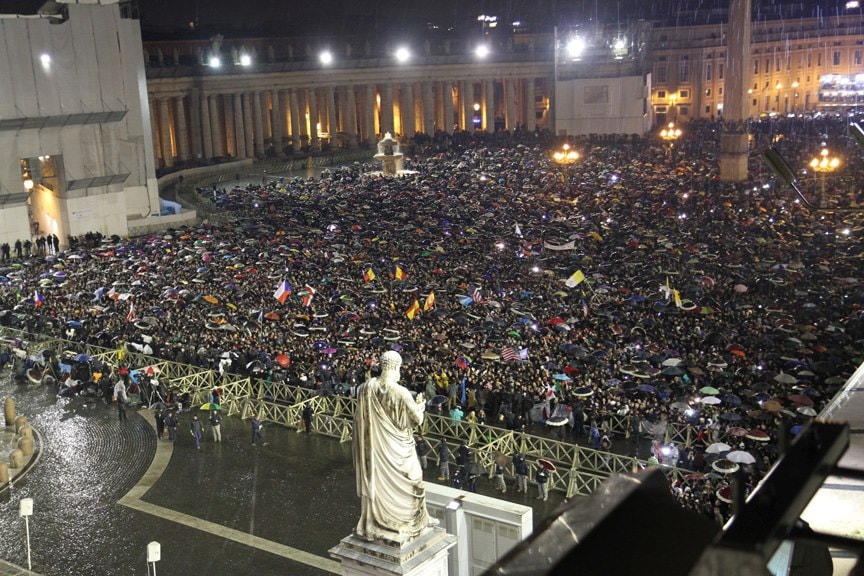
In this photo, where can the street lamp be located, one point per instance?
(25, 510)
(824, 164)
(154, 554)
(566, 155)
(670, 134)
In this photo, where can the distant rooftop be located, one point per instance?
(23, 7)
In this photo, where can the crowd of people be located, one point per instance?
(631, 282)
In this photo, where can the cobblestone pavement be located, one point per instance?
(229, 508)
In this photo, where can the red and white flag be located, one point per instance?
(310, 293)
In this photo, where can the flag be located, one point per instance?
(466, 300)
(131, 315)
(369, 275)
(463, 362)
(400, 274)
(261, 316)
(509, 354)
(413, 310)
(310, 293)
(283, 291)
(430, 301)
(112, 293)
(38, 299)
(464, 393)
(584, 307)
(677, 296)
(518, 231)
(595, 236)
(476, 295)
(575, 279)
(523, 354)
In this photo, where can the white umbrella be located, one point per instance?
(784, 378)
(710, 400)
(806, 410)
(741, 457)
(672, 362)
(717, 448)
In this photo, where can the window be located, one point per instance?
(684, 69)
(720, 71)
(684, 110)
(661, 74)
(809, 59)
(684, 94)
(767, 65)
(767, 102)
(755, 66)
(754, 102)
(661, 94)
(707, 92)
(707, 109)
(836, 57)
(857, 58)
(720, 91)
(709, 71)
(818, 59)
(777, 63)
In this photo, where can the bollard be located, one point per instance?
(26, 431)
(19, 422)
(9, 411)
(25, 444)
(4, 473)
(16, 459)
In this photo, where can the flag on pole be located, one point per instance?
(310, 293)
(130, 317)
(430, 301)
(509, 354)
(283, 290)
(369, 275)
(575, 279)
(518, 231)
(400, 274)
(261, 316)
(584, 307)
(677, 297)
(466, 301)
(413, 310)
(38, 299)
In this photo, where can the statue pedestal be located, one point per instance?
(425, 555)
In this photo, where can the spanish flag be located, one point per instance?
(413, 310)
(400, 274)
(369, 275)
(430, 301)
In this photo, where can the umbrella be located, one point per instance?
(737, 431)
(562, 377)
(758, 435)
(806, 410)
(211, 406)
(672, 362)
(710, 400)
(210, 299)
(725, 466)
(474, 469)
(800, 399)
(784, 378)
(646, 388)
(546, 464)
(694, 476)
(730, 416)
(583, 392)
(725, 494)
(83, 358)
(740, 288)
(772, 406)
(501, 459)
(437, 400)
(709, 390)
(731, 400)
(672, 371)
(680, 406)
(717, 448)
(283, 360)
(713, 476)
(741, 457)
(152, 370)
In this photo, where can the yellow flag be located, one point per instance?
(576, 279)
(413, 310)
(595, 236)
(677, 297)
(430, 301)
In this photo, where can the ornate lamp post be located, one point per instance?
(824, 164)
(566, 155)
(671, 134)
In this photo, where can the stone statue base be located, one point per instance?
(425, 555)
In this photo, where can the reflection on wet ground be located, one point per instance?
(298, 491)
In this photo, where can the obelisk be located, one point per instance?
(733, 138)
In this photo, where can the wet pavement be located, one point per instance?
(217, 510)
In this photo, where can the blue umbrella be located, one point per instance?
(646, 388)
(82, 357)
(76, 324)
(562, 377)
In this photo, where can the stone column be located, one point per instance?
(216, 126)
(733, 139)
(489, 106)
(259, 124)
(370, 133)
(303, 108)
(466, 95)
(387, 109)
(510, 103)
(248, 125)
(330, 96)
(295, 120)
(350, 110)
(206, 132)
(228, 124)
(165, 133)
(278, 122)
(195, 117)
(428, 108)
(530, 111)
(182, 130)
(312, 97)
(409, 124)
(239, 130)
(447, 106)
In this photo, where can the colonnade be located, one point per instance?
(204, 121)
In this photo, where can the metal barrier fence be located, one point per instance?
(579, 470)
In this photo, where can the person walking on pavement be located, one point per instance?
(444, 461)
(160, 424)
(520, 466)
(542, 477)
(500, 484)
(256, 431)
(195, 426)
(122, 399)
(307, 418)
(171, 424)
(216, 425)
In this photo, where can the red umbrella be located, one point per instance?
(737, 431)
(283, 360)
(758, 435)
(272, 316)
(546, 464)
(725, 494)
(801, 400)
(556, 320)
